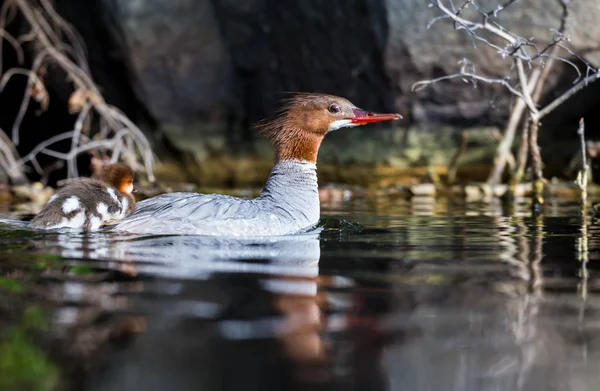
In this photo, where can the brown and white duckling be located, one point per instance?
(87, 204)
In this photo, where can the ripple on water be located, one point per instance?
(392, 294)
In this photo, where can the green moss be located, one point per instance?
(34, 318)
(12, 232)
(23, 365)
(81, 270)
(45, 261)
(11, 285)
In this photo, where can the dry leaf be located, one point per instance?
(77, 100)
(40, 94)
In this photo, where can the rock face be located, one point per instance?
(230, 60)
(436, 51)
(199, 60)
(210, 68)
(182, 63)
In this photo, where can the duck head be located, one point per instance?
(299, 127)
(120, 176)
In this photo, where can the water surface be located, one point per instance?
(392, 294)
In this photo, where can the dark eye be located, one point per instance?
(334, 109)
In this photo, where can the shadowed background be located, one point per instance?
(195, 75)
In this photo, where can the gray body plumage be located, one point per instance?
(288, 204)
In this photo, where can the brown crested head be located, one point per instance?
(119, 176)
(298, 128)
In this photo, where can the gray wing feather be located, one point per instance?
(189, 207)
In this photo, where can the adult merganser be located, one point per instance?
(87, 204)
(289, 202)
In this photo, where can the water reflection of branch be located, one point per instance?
(525, 327)
(524, 250)
(529, 252)
(583, 258)
(536, 259)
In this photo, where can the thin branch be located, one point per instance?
(19, 71)
(475, 26)
(581, 133)
(75, 140)
(510, 132)
(59, 137)
(526, 95)
(420, 85)
(15, 44)
(37, 63)
(9, 160)
(582, 176)
(6, 8)
(532, 64)
(564, 97)
(119, 136)
(73, 36)
(500, 8)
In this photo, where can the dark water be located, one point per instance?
(391, 295)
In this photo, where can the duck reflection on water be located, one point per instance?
(215, 311)
(467, 303)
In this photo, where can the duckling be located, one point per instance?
(87, 204)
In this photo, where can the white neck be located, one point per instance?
(293, 189)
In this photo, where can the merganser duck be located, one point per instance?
(289, 202)
(86, 204)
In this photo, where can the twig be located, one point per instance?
(534, 150)
(465, 74)
(582, 241)
(565, 96)
(71, 164)
(119, 136)
(499, 8)
(525, 91)
(509, 133)
(9, 160)
(74, 38)
(582, 175)
(525, 55)
(519, 172)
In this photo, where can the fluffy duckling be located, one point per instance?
(87, 204)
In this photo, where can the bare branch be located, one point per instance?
(499, 8)
(117, 136)
(74, 38)
(509, 133)
(526, 95)
(9, 159)
(583, 174)
(15, 44)
(467, 72)
(581, 133)
(473, 26)
(18, 71)
(532, 63)
(564, 97)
